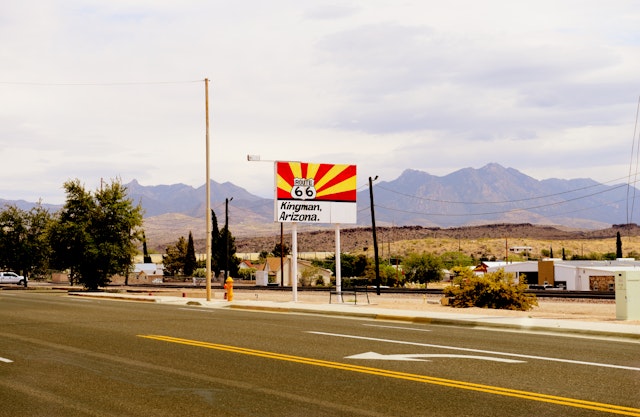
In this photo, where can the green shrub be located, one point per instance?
(491, 290)
(246, 273)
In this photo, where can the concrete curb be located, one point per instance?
(558, 326)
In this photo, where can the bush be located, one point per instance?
(246, 273)
(491, 290)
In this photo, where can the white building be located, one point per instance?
(570, 275)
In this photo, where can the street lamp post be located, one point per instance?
(257, 158)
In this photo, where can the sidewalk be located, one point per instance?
(588, 318)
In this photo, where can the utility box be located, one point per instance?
(262, 278)
(628, 295)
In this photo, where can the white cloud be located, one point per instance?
(114, 89)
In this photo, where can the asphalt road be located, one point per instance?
(68, 356)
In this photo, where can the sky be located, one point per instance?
(103, 90)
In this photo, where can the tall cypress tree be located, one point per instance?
(145, 252)
(215, 242)
(227, 237)
(190, 257)
(618, 246)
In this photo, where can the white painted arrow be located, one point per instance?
(424, 357)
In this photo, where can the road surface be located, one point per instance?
(71, 356)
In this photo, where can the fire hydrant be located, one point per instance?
(228, 286)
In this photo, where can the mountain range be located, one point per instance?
(491, 194)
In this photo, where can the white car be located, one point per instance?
(12, 278)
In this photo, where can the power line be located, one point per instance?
(634, 145)
(502, 211)
(94, 84)
(506, 201)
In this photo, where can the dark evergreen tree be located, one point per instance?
(215, 242)
(145, 252)
(226, 238)
(281, 250)
(190, 257)
(618, 246)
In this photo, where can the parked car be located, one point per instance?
(12, 278)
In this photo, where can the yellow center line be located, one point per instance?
(570, 402)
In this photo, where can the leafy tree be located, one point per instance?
(12, 234)
(70, 237)
(95, 235)
(422, 268)
(618, 246)
(309, 275)
(175, 257)
(23, 239)
(350, 265)
(247, 273)
(38, 250)
(451, 259)
(491, 290)
(190, 257)
(389, 275)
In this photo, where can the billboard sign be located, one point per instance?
(315, 193)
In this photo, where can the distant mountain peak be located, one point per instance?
(469, 196)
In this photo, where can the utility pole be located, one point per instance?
(226, 230)
(208, 192)
(281, 254)
(375, 238)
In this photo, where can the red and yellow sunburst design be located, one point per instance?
(333, 182)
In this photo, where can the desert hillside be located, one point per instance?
(488, 241)
(479, 241)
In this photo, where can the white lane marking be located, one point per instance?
(613, 337)
(5, 360)
(397, 327)
(420, 356)
(490, 352)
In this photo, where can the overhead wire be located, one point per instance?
(504, 201)
(94, 84)
(636, 146)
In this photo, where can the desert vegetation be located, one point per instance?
(489, 242)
